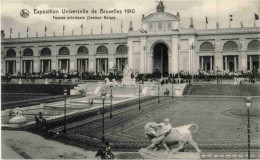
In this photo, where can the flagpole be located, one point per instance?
(45, 29)
(27, 31)
(206, 22)
(254, 19)
(81, 29)
(229, 22)
(121, 27)
(101, 28)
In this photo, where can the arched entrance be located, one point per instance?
(160, 58)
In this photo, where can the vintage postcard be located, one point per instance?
(130, 79)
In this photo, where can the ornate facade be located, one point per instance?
(160, 44)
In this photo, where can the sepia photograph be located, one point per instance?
(130, 79)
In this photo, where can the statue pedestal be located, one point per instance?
(149, 154)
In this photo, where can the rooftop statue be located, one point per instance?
(160, 7)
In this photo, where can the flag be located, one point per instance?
(256, 17)
(230, 17)
(101, 25)
(81, 26)
(45, 28)
(207, 20)
(27, 28)
(11, 30)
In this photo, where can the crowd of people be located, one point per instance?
(201, 75)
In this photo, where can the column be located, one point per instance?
(161, 66)
(105, 65)
(202, 63)
(98, 64)
(226, 66)
(24, 66)
(67, 65)
(41, 65)
(259, 62)
(130, 53)
(211, 63)
(14, 70)
(142, 54)
(59, 61)
(49, 65)
(235, 63)
(250, 63)
(175, 55)
(7, 66)
(31, 67)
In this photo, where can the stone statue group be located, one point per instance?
(163, 134)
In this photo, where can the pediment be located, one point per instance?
(160, 16)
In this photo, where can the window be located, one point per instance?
(102, 50)
(122, 49)
(10, 53)
(28, 52)
(45, 52)
(230, 46)
(206, 46)
(254, 45)
(64, 51)
(82, 50)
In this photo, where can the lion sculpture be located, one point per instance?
(181, 134)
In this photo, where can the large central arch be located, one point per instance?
(160, 58)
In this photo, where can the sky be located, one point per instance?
(215, 10)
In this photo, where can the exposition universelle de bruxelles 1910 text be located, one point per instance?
(83, 14)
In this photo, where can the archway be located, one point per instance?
(160, 58)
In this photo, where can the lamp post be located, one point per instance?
(103, 96)
(65, 121)
(248, 104)
(158, 91)
(172, 89)
(111, 98)
(139, 92)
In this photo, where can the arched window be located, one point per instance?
(10, 53)
(122, 49)
(102, 50)
(230, 46)
(83, 50)
(254, 45)
(64, 51)
(28, 52)
(206, 46)
(45, 52)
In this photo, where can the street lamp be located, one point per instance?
(65, 95)
(103, 96)
(139, 92)
(158, 91)
(111, 98)
(248, 104)
(172, 89)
